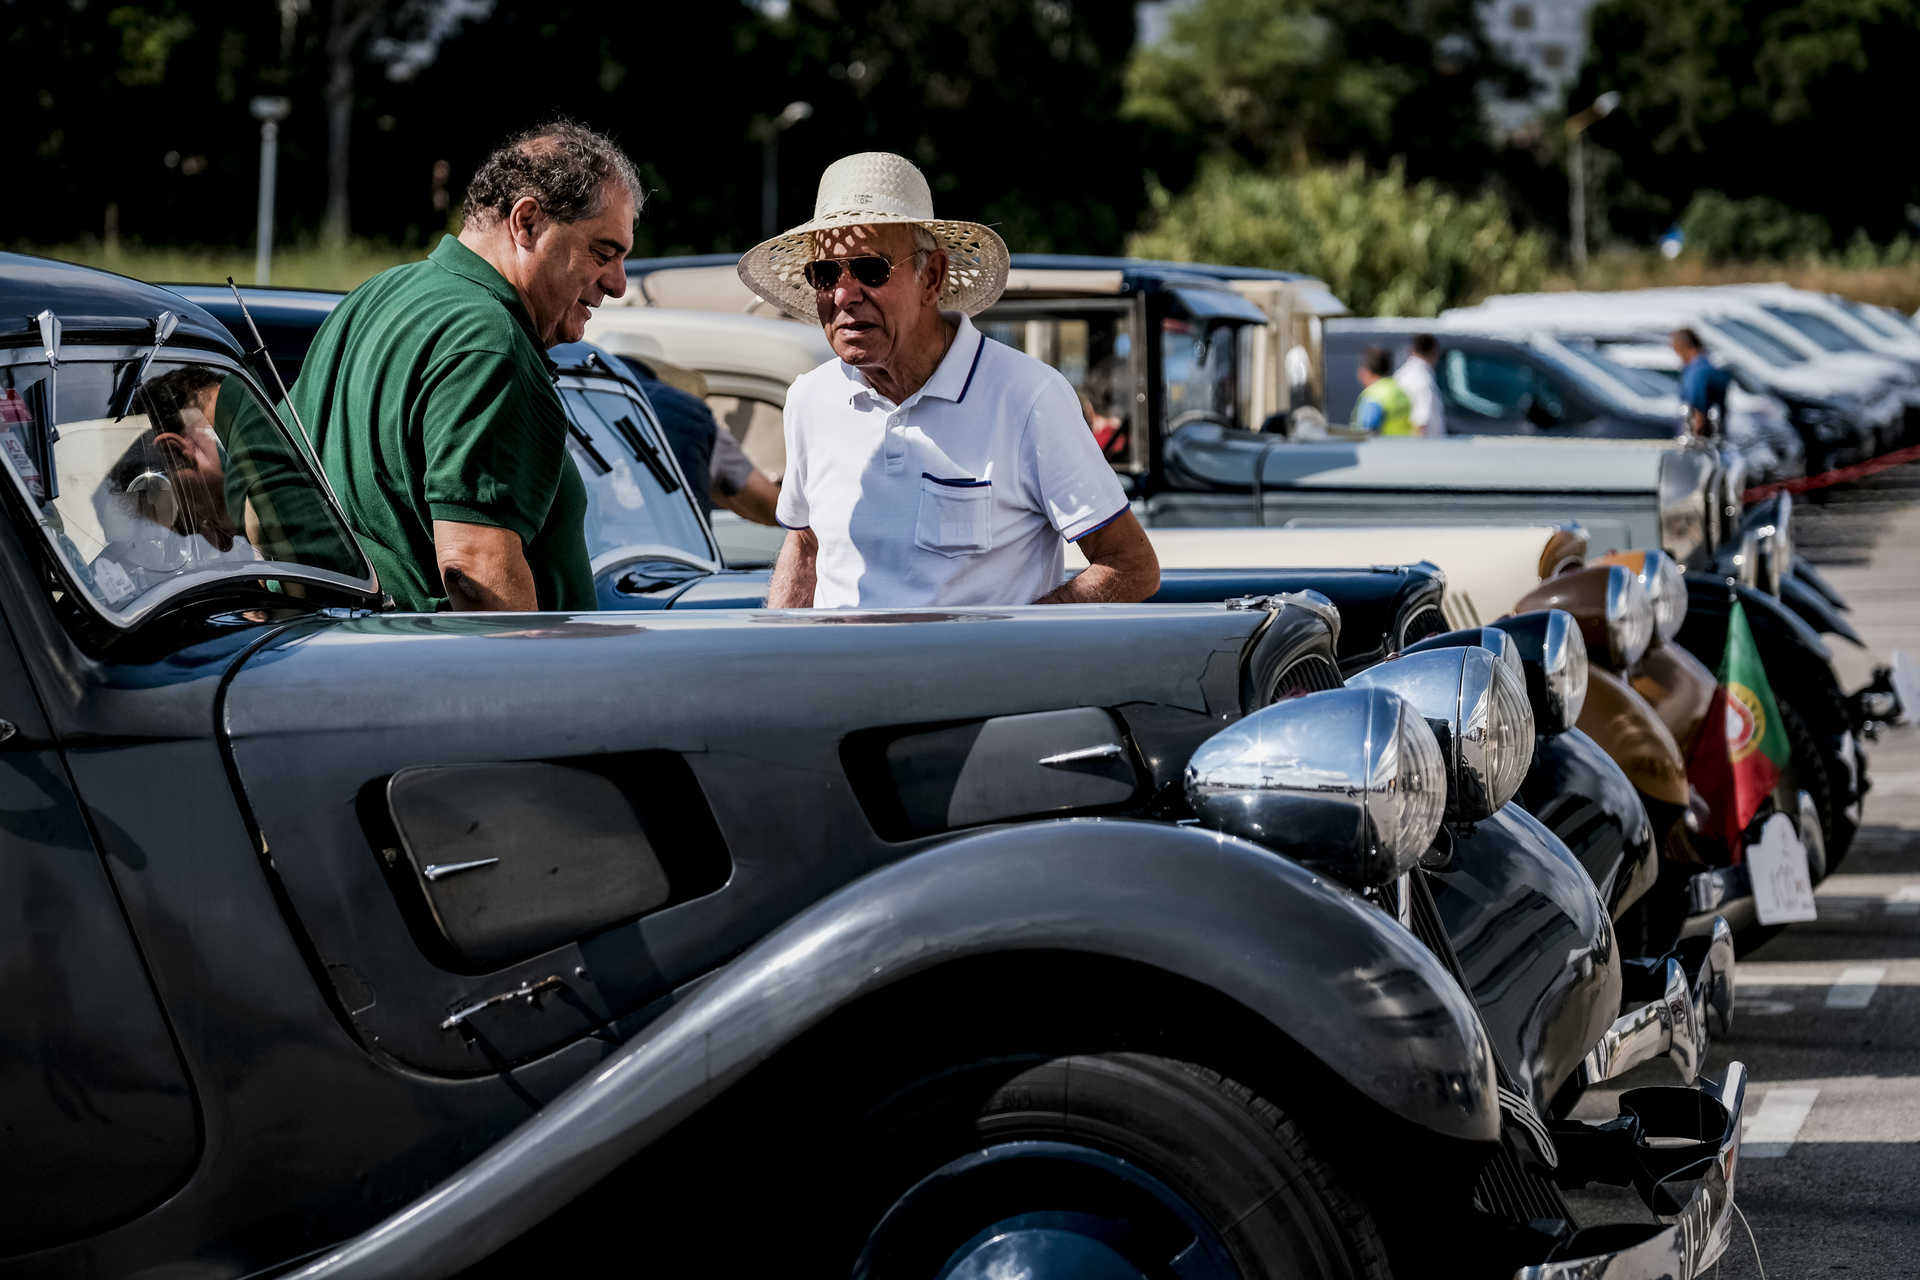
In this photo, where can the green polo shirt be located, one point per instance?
(429, 397)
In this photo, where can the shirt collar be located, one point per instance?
(950, 379)
(455, 258)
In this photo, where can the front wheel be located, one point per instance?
(1109, 1166)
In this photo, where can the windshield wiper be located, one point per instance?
(47, 423)
(585, 441)
(644, 450)
(163, 326)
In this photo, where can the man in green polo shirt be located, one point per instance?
(430, 398)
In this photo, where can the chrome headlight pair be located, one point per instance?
(1666, 586)
(1550, 654)
(1348, 781)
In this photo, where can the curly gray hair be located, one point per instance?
(565, 167)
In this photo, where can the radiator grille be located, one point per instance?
(1426, 621)
(1311, 674)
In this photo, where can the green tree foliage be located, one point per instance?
(1386, 246)
(1807, 102)
(1720, 229)
(1282, 84)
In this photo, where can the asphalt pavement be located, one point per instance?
(1827, 1014)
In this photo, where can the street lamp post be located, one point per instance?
(1577, 174)
(770, 132)
(269, 112)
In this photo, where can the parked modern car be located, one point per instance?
(1843, 411)
(281, 844)
(1759, 424)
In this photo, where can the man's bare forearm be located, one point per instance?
(484, 569)
(1104, 584)
(793, 572)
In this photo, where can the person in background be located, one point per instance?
(1415, 376)
(1703, 385)
(927, 464)
(711, 459)
(430, 397)
(1383, 409)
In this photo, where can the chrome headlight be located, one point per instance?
(1733, 489)
(1545, 649)
(1746, 562)
(1667, 588)
(1774, 552)
(1687, 507)
(1348, 781)
(1477, 704)
(1629, 617)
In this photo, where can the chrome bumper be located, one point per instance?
(1695, 1000)
(1724, 892)
(1679, 1149)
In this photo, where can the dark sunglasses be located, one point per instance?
(870, 269)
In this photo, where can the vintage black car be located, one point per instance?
(362, 943)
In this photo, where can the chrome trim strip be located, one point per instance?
(1105, 751)
(440, 870)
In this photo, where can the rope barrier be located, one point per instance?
(1839, 475)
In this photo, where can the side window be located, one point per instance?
(758, 426)
(154, 474)
(1093, 351)
(1488, 386)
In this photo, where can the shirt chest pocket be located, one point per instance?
(955, 516)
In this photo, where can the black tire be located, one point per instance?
(1227, 1154)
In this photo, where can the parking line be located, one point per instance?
(1906, 902)
(1770, 1132)
(1855, 986)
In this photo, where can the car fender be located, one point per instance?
(1339, 976)
(1817, 611)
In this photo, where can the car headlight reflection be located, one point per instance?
(1348, 781)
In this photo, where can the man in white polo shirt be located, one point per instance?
(927, 464)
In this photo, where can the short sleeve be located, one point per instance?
(792, 509)
(494, 443)
(1069, 478)
(1370, 415)
(730, 467)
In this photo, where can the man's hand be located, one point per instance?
(483, 568)
(1121, 567)
(751, 501)
(792, 585)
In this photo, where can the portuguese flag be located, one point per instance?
(1736, 767)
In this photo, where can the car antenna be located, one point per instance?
(260, 349)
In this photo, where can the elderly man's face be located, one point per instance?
(569, 268)
(865, 326)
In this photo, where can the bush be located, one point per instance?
(1720, 229)
(1384, 245)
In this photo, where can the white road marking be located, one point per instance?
(1854, 988)
(1905, 901)
(1769, 1133)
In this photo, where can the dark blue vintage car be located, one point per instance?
(348, 942)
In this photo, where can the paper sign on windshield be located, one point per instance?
(1782, 885)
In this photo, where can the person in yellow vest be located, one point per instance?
(1384, 408)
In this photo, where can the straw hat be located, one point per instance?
(870, 189)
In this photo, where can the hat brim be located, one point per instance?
(977, 262)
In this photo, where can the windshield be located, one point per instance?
(1829, 336)
(1759, 341)
(1645, 382)
(1199, 364)
(187, 477)
(636, 497)
(1870, 317)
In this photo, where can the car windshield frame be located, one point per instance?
(1753, 338)
(1817, 329)
(159, 598)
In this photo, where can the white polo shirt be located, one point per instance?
(962, 494)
